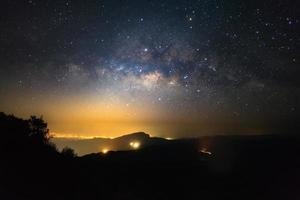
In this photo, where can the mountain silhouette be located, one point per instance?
(134, 136)
(123, 143)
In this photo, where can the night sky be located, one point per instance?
(169, 68)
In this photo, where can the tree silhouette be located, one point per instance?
(68, 152)
(19, 135)
(39, 130)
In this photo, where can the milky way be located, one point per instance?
(201, 67)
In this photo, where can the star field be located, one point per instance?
(184, 67)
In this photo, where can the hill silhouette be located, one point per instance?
(217, 167)
(122, 143)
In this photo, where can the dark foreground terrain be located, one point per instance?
(223, 167)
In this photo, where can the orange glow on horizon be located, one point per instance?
(89, 116)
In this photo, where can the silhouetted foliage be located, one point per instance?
(38, 129)
(69, 152)
(26, 135)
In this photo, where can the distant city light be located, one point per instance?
(204, 150)
(105, 151)
(135, 145)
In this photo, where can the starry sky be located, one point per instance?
(169, 68)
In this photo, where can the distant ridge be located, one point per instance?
(136, 135)
(94, 145)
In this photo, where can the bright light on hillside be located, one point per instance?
(135, 145)
(104, 151)
(204, 150)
